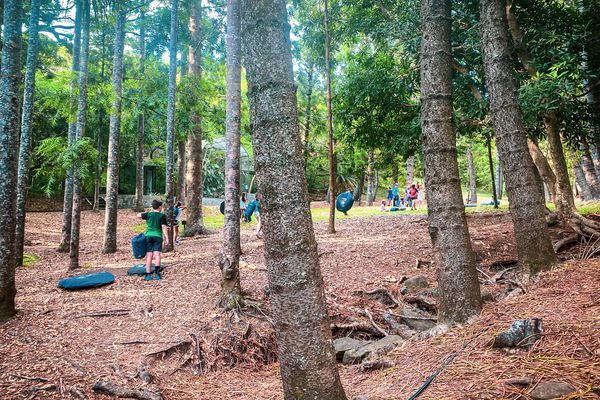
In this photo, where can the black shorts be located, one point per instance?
(153, 244)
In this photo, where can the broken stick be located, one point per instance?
(123, 392)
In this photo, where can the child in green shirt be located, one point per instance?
(155, 220)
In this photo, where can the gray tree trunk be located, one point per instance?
(10, 75)
(112, 174)
(330, 136)
(359, 189)
(371, 189)
(26, 125)
(231, 291)
(181, 170)
(543, 167)
(587, 163)
(457, 277)
(596, 159)
(499, 177)
(82, 83)
(171, 103)
(491, 164)
(523, 183)
(410, 171)
(472, 176)
(195, 176)
(65, 239)
(308, 111)
(306, 353)
(585, 192)
(141, 123)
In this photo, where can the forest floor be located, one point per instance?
(57, 348)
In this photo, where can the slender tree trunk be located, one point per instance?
(499, 177)
(141, 122)
(181, 170)
(195, 176)
(65, 239)
(359, 189)
(9, 136)
(472, 176)
(101, 126)
(306, 353)
(491, 163)
(588, 168)
(543, 168)
(231, 291)
(331, 140)
(410, 171)
(596, 159)
(580, 182)
(308, 111)
(112, 181)
(523, 184)
(171, 102)
(26, 125)
(79, 133)
(370, 178)
(457, 277)
(395, 171)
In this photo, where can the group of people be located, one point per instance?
(412, 197)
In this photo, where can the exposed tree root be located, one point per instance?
(382, 295)
(565, 241)
(124, 392)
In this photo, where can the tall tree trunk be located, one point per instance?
(410, 171)
(65, 239)
(588, 168)
(141, 122)
(306, 353)
(472, 176)
(112, 180)
(523, 184)
(79, 133)
(499, 177)
(10, 75)
(565, 204)
(171, 102)
(231, 291)
(457, 277)
(101, 125)
(26, 122)
(370, 178)
(308, 111)
(543, 168)
(195, 176)
(395, 171)
(491, 163)
(596, 159)
(181, 170)
(580, 181)
(331, 141)
(359, 189)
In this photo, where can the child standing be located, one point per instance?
(177, 210)
(155, 220)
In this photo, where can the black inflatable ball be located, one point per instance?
(222, 207)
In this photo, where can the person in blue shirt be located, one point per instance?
(177, 211)
(390, 196)
(395, 193)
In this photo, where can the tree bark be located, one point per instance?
(543, 168)
(171, 103)
(359, 189)
(371, 191)
(523, 184)
(308, 111)
(141, 122)
(26, 125)
(65, 239)
(9, 137)
(297, 296)
(472, 176)
(410, 171)
(195, 176)
(587, 163)
(580, 182)
(491, 163)
(112, 174)
(331, 141)
(181, 169)
(457, 277)
(231, 290)
(82, 83)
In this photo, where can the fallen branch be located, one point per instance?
(108, 313)
(77, 393)
(423, 302)
(123, 392)
(356, 326)
(377, 327)
(143, 373)
(183, 345)
(325, 253)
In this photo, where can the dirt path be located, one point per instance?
(51, 345)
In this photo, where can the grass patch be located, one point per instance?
(29, 259)
(589, 208)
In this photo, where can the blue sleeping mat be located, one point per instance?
(470, 205)
(94, 280)
(138, 245)
(344, 202)
(140, 269)
(489, 203)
